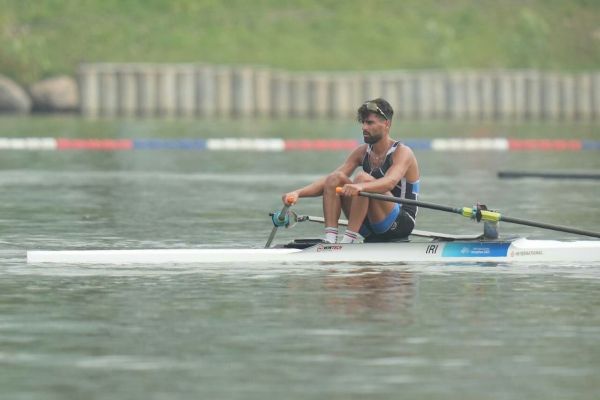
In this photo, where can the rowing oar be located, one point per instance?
(279, 219)
(478, 214)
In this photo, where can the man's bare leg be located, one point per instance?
(363, 207)
(333, 204)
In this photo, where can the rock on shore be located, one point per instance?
(13, 99)
(57, 94)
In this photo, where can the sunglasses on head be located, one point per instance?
(373, 107)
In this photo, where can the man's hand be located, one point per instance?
(290, 198)
(350, 189)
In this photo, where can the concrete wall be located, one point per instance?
(189, 90)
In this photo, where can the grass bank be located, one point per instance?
(44, 38)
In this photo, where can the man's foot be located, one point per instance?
(331, 234)
(351, 237)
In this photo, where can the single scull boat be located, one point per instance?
(518, 250)
(422, 246)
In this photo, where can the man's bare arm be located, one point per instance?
(316, 188)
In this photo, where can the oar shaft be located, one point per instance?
(553, 227)
(486, 214)
(417, 203)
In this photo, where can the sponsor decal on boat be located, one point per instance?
(475, 250)
(522, 253)
(329, 247)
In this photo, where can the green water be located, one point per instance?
(281, 331)
(69, 126)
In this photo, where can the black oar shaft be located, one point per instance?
(460, 211)
(553, 227)
(417, 203)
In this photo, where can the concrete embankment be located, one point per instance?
(201, 90)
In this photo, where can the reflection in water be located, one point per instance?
(369, 289)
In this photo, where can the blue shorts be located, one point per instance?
(381, 226)
(398, 224)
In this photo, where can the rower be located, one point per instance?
(388, 168)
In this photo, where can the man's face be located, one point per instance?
(373, 128)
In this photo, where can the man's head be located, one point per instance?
(379, 107)
(376, 119)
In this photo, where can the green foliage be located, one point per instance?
(43, 38)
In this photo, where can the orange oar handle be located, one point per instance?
(289, 201)
(339, 190)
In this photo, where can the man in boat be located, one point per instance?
(388, 167)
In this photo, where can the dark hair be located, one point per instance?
(387, 112)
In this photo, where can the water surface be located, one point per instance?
(292, 331)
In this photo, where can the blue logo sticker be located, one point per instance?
(458, 249)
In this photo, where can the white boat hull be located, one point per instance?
(515, 251)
